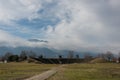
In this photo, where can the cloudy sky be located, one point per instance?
(86, 25)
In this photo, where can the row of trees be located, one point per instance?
(14, 57)
(109, 56)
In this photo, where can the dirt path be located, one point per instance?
(45, 75)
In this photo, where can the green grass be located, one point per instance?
(106, 71)
(19, 71)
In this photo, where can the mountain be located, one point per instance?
(46, 52)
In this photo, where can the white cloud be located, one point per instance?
(91, 25)
(18, 9)
(6, 39)
(86, 29)
(115, 3)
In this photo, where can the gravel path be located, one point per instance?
(45, 75)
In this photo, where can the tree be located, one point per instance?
(60, 56)
(119, 54)
(32, 54)
(109, 56)
(70, 54)
(7, 55)
(101, 55)
(41, 56)
(87, 57)
(119, 57)
(13, 58)
(23, 55)
(77, 56)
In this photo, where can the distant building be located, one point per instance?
(5, 61)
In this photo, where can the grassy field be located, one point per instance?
(106, 71)
(19, 71)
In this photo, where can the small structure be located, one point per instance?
(5, 61)
(118, 60)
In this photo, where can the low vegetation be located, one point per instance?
(99, 71)
(98, 60)
(19, 71)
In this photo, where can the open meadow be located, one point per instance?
(83, 71)
(101, 71)
(19, 71)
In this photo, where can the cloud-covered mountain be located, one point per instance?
(38, 51)
(46, 52)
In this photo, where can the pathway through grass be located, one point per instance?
(19, 71)
(106, 71)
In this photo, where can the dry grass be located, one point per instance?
(19, 71)
(101, 71)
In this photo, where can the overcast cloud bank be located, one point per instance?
(83, 25)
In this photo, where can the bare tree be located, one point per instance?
(101, 55)
(77, 56)
(119, 57)
(87, 57)
(119, 54)
(109, 56)
(7, 55)
(23, 55)
(70, 54)
(32, 54)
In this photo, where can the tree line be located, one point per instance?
(24, 55)
(10, 57)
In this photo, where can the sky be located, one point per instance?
(83, 25)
